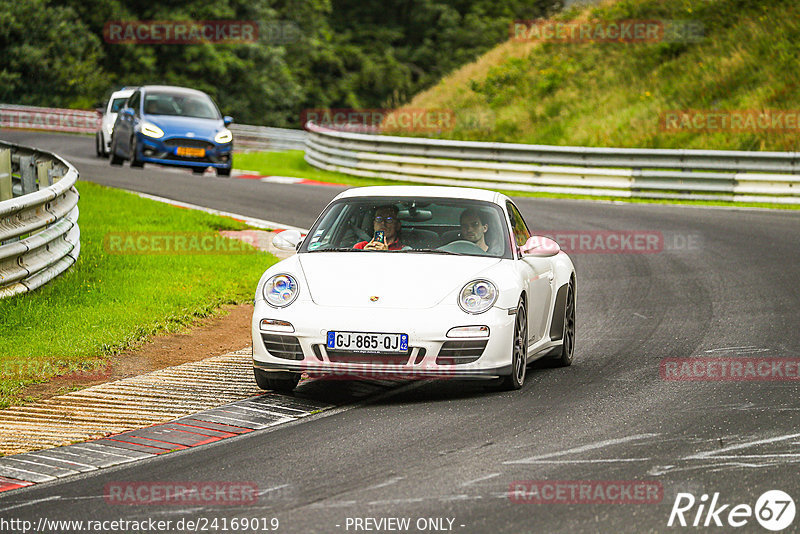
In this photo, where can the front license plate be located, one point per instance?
(190, 152)
(367, 342)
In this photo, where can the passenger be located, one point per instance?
(387, 221)
(474, 225)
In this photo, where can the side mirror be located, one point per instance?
(128, 112)
(540, 247)
(287, 240)
(227, 119)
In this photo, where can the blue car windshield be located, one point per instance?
(118, 103)
(181, 105)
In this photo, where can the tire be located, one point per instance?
(98, 145)
(280, 382)
(519, 351)
(115, 159)
(564, 358)
(198, 170)
(135, 161)
(224, 172)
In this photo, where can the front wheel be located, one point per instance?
(115, 159)
(564, 358)
(281, 382)
(135, 161)
(226, 171)
(519, 351)
(99, 145)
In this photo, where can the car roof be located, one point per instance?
(423, 191)
(121, 93)
(172, 89)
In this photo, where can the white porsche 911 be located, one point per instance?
(414, 282)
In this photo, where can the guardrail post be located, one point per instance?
(5, 174)
(28, 174)
(43, 173)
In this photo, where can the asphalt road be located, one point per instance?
(726, 284)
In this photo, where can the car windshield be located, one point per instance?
(427, 226)
(118, 103)
(180, 104)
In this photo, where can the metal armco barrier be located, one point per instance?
(39, 234)
(266, 138)
(616, 172)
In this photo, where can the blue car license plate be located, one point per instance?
(367, 342)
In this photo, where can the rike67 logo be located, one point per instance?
(774, 510)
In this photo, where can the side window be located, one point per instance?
(133, 102)
(520, 229)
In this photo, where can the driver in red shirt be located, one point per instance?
(387, 221)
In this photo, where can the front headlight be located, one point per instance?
(477, 296)
(281, 290)
(224, 136)
(151, 130)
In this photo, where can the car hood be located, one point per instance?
(175, 126)
(398, 279)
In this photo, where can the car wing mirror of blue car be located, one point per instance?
(227, 119)
(128, 112)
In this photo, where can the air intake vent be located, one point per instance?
(286, 347)
(458, 352)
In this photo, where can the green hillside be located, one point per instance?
(615, 93)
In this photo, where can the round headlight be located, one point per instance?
(280, 290)
(477, 296)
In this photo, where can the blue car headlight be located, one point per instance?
(477, 296)
(224, 136)
(280, 290)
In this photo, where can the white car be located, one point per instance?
(115, 103)
(443, 302)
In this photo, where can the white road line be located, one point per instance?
(584, 448)
(389, 482)
(30, 503)
(487, 477)
(714, 454)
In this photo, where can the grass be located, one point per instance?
(291, 163)
(613, 94)
(108, 302)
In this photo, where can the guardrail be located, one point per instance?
(39, 234)
(266, 138)
(616, 172)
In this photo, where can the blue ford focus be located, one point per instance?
(172, 126)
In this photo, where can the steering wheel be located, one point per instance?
(462, 246)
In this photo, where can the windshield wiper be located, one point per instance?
(432, 251)
(336, 249)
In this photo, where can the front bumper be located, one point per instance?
(427, 330)
(165, 152)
